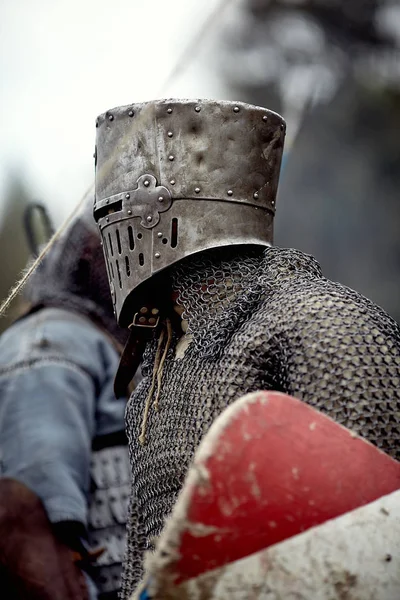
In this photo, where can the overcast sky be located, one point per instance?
(62, 62)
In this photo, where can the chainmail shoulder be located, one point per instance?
(260, 319)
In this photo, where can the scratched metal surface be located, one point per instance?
(213, 146)
(212, 168)
(354, 557)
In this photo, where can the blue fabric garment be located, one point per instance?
(93, 595)
(56, 395)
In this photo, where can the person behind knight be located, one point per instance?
(185, 202)
(64, 468)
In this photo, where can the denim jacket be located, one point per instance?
(56, 399)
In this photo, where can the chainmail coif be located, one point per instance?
(260, 319)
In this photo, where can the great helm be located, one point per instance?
(175, 177)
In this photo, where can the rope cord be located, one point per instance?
(183, 60)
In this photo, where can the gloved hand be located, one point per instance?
(34, 563)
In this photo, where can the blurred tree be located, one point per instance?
(331, 67)
(339, 195)
(13, 243)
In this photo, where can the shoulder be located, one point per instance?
(300, 296)
(56, 334)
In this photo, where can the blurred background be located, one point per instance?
(331, 67)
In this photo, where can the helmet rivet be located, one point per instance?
(265, 118)
(171, 157)
(108, 200)
(169, 110)
(107, 219)
(131, 113)
(161, 198)
(159, 234)
(97, 123)
(236, 109)
(110, 118)
(129, 212)
(149, 218)
(146, 183)
(197, 109)
(172, 182)
(157, 255)
(170, 134)
(127, 196)
(197, 190)
(272, 201)
(255, 195)
(282, 126)
(230, 192)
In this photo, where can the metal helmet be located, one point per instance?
(175, 177)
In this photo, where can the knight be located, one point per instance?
(185, 203)
(64, 466)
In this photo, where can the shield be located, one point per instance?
(277, 494)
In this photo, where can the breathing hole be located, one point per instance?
(174, 233)
(119, 274)
(112, 270)
(164, 241)
(118, 242)
(110, 244)
(139, 236)
(141, 259)
(131, 239)
(127, 266)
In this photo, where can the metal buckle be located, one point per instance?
(146, 318)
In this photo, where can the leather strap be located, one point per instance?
(141, 330)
